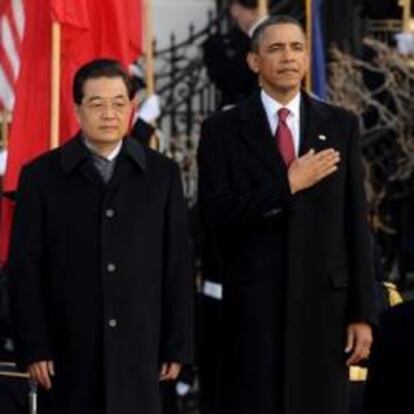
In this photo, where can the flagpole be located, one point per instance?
(149, 47)
(406, 16)
(55, 90)
(308, 7)
(263, 8)
(149, 59)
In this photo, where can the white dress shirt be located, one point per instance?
(293, 120)
(109, 157)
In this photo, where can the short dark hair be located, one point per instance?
(100, 68)
(248, 4)
(272, 21)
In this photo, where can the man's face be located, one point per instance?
(242, 16)
(105, 110)
(282, 59)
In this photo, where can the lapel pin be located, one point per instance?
(322, 137)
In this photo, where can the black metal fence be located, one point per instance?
(187, 96)
(182, 82)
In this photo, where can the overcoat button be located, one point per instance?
(109, 213)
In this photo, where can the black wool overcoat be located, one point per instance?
(99, 277)
(296, 269)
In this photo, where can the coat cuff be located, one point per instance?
(25, 358)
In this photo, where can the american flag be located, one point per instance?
(12, 23)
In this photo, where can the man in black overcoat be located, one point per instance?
(100, 285)
(281, 189)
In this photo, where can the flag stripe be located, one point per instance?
(6, 91)
(12, 23)
(6, 66)
(13, 27)
(9, 45)
(19, 17)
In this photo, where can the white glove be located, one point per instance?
(150, 109)
(135, 69)
(3, 161)
(405, 43)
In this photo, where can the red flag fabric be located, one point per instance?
(89, 29)
(32, 108)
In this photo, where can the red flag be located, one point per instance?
(89, 29)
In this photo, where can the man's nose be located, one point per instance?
(288, 54)
(108, 111)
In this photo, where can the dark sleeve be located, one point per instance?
(26, 272)
(219, 69)
(225, 57)
(363, 298)
(142, 131)
(221, 205)
(177, 300)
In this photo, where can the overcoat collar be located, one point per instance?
(255, 129)
(135, 151)
(74, 152)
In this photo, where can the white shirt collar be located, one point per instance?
(272, 106)
(256, 25)
(110, 156)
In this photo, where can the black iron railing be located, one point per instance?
(182, 81)
(187, 96)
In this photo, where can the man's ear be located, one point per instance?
(253, 61)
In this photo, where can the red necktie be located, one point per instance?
(284, 138)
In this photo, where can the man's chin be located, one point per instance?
(288, 87)
(106, 139)
(109, 134)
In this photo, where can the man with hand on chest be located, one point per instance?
(281, 190)
(100, 282)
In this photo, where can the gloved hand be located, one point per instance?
(3, 161)
(150, 109)
(405, 43)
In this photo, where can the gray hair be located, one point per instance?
(272, 21)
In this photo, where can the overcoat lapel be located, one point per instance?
(315, 128)
(74, 155)
(131, 160)
(315, 133)
(255, 132)
(89, 171)
(123, 169)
